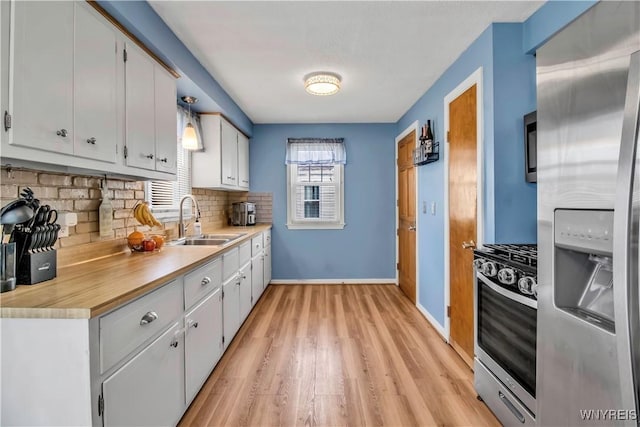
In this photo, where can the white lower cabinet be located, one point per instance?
(267, 267)
(230, 308)
(246, 299)
(257, 277)
(148, 390)
(203, 342)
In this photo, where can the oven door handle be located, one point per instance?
(510, 406)
(508, 294)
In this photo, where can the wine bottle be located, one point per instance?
(429, 138)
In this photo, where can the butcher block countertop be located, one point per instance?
(92, 288)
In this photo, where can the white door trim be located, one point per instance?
(412, 127)
(474, 78)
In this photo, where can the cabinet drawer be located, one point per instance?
(126, 328)
(256, 245)
(230, 264)
(202, 281)
(245, 253)
(266, 236)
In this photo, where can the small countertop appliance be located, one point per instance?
(244, 213)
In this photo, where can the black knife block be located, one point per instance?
(37, 267)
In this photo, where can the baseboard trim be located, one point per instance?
(437, 326)
(335, 282)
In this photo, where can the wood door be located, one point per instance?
(462, 219)
(407, 216)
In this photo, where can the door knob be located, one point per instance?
(469, 245)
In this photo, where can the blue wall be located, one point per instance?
(139, 18)
(549, 19)
(431, 177)
(365, 248)
(509, 92)
(514, 95)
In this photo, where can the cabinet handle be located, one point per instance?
(149, 156)
(62, 132)
(148, 318)
(205, 281)
(174, 344)
(164, 160)
(193, 324)
(92, 140)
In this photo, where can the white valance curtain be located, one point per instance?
(183, 119)
(315, 151)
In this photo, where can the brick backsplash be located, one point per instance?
(81, 194)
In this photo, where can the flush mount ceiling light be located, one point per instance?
(322, 83)
(189, 137)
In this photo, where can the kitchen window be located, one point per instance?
(315, 190)
(164, 196)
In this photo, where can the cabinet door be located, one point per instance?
(257, 274)
(140, 110)
(149, 389)
(166, 121)
(267, 266)
(246, 300)
(5, 36)
(243, 161)
(229, 136)
(42, 75)
(203, 342)
(231, 309)
(95, 68)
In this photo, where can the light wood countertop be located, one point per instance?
(90, 289)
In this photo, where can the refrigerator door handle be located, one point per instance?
(625, 249)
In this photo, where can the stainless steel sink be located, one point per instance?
(207, 240)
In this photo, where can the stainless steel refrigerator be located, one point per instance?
(588, 85)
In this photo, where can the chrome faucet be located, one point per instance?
(181, 227)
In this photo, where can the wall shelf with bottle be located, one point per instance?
(429, 150)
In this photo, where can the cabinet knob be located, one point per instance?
(164, 160)
(62, 132)
(174, 344)
(148, 318)
(149, 156)
(205, 281)
(92, 140)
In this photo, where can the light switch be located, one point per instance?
(433, 208)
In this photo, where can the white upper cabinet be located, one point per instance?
(5, 35)
(73, 101)
(243, 161)
(42, 75)
(150, 123)
(140, 110)
(166, 122)
(95, 88)
(224, 162)
(229, 154)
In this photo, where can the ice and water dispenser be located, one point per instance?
(583, 241)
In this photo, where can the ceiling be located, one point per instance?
(387, 52)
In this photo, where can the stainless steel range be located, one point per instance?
(506, 310)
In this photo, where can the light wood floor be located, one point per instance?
(338, 355)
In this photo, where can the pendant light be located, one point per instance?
(189, 137)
